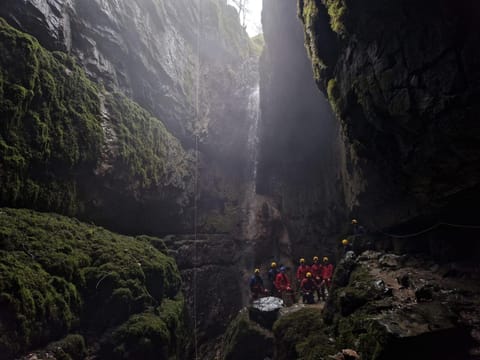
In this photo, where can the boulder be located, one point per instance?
(265, 311)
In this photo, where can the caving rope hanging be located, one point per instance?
(195, 195)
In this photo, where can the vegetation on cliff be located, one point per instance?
(246, 339)
(49, 126)
(59, 276)
(302, 335)
(59, 131)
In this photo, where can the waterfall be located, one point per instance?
(253, 115)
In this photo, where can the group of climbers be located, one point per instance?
(280, 284)
(314, 278)
(310, 278)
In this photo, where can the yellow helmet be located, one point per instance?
(309, 274)
(273, 264)
(257, 271)
(354, 221)
(325, 259)
(344, 242)
(315, 258)
(302, 260)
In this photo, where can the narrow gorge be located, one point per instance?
(153, 153)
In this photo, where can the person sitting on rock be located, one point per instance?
(302, 271)
(272, 275)
(281, 281)
(327, 273)
(256, 285)
(307, 287)
(316, 270)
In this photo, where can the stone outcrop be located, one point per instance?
(212, 281)
(189, 64)
(69, 287)
(403, 81)
(410, 308)
(68, 145)
(300, 144)
(406, 307)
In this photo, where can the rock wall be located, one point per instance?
(100, 118)
(68, 145)
(300, 144)
(403, 80)
(72, 288)
(189, 64)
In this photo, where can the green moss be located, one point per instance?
(302, 335)
(245, 339)
(57, 274)
(143, 336)
(49, 123)
(222, 221)
(72, 347)
(309, 13)
(257, 44)
(148, 154)
(334, 97)
(337, 10)
(52, 134)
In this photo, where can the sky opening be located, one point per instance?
(253, 18)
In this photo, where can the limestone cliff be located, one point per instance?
(189, 64)
(403, 79)
(300, 144)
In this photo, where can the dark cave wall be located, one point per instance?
(300, 144)
(403, 79)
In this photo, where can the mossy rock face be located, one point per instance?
(66, 145)
(72, 347)
(392, 72)
(59, 276)
(49, 124)
(150, 335)
(302, 335)
(245, 339)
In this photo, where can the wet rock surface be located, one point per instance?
(246, 339)
(154, 53)
(300, 146)
(212, 281)
(403, 81)
(265, 311)
(409, 311)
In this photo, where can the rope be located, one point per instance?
(439, 224)
(197, 91)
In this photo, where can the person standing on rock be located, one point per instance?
(316, 270)
(327, 273)
(282, 283)
(272, 275)
(256, 285)
(302, 271)
(346, 246)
